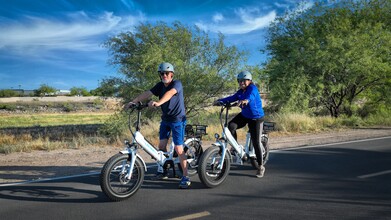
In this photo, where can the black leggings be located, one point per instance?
(255, 127)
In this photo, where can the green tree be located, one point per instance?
(45, 90)
(330, 56)
(206, 67)
(79, 91)
(108, 87)
(8, 93)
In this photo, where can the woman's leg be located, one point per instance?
(236, 123)
(256, 128)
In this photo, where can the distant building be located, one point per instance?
(63, 92)
(27, 92)
(24, 92)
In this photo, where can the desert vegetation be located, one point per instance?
(328, 68)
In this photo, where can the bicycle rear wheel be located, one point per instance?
(265, 155)
(113, 181)
(193, 152)
(208, 171)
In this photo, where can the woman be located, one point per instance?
(249, 100)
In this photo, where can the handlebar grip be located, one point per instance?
(225, 104)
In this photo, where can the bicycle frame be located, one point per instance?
(243, 152)
(123, 173)
(140, 142)
(215, 163)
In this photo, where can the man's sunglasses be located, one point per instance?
(164, 73)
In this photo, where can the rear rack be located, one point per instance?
(268, 127)
(195, 131)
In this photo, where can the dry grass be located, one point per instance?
(26, 143)
(27, 120)
(290, 123)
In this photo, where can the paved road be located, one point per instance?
(338, 181)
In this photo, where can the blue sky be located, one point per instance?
(59, 42)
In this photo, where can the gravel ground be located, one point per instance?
(19, 167)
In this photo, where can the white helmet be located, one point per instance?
(244, 75)
(166, 67)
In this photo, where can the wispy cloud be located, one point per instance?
(79, 32)
(218, 17)
(247, 20)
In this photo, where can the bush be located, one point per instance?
(116, 126)
(352, 121)
(68, 107)
(8, 93)
(381, 117)
(8, 107)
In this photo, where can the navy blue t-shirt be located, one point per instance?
(174, 109)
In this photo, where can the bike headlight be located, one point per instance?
(217, 136)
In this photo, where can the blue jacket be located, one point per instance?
(253, 110)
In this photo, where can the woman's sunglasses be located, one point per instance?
(241, 80)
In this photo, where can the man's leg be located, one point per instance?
(185, 181)
(182, 158)
(163, 145)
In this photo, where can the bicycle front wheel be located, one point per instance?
(208, 171)
(113, 178)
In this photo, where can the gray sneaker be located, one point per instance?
(260, 171)
(161, 176)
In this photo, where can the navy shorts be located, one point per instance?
(177, 129)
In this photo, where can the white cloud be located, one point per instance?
(280, 5)
(249, 20)
(218, 17)
(78, 31)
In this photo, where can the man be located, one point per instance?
(171, 101)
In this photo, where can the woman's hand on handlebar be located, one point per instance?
(129, 105)
(243, 103)
(218, 103)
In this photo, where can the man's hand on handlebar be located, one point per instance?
(153, 104)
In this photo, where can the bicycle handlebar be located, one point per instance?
(225, 104)
(138, 105)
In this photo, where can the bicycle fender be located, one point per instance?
(190, 140)
(219, 145)
(142, 160)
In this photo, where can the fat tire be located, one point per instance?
(112, 183)
(206, 169)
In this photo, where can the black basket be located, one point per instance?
(195, 130)
(268, 126)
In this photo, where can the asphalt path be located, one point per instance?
(350, 180)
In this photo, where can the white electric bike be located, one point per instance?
(215, 162)
(123, 174)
